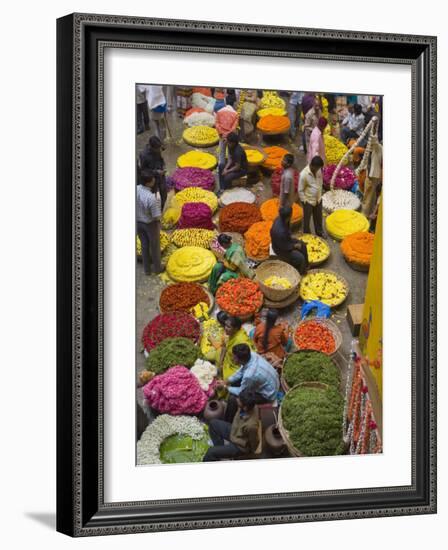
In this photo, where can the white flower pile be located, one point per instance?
(237, 194)
(340, 199)
(148, 447)
(205, 372)
(200, 119)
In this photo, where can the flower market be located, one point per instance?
(258, 274)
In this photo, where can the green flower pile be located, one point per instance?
(313, 418)
(311, 366)
(171, 352)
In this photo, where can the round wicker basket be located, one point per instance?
(332, 327)
(282, 269)
(358, 267)
(284, 303)
(342, 279)
(324, 242)
(284, 432)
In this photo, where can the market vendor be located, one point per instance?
(317, 145)
(233, 265)
(310, 121)
(151, 159)
(236, 165)
(287, 193)
(271, 339)
(353, 124)
(238, 437)
(310, 195)
(290, 250)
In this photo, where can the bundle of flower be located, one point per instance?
(344, 180)
(211, 331)
(340, 199)
(164, 242)
(197, 159)
(342, 223)
(274, 157)
(196, 194)
(205, 372)
(170, 352)
(275, 111)
(313, 418)
(190, 264)
(200, 119)
(182, 297)
(170, 218)
(196, 214)
(193, 237)
(200, 136)
(239, 297)
(310, 366)
(177, 391)
(257, 240)
(170, 325)
(358, 248)
(272, 99)
(269, 211)
(271, 124)
(162, 428)
(238, 217)
(316, 247)
(334, 150)
(276, 179)
(325, 286)
(313, 335)
(193, 177)
(226, 121)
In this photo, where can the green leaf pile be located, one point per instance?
(171, 352)
(311, 366)
(179, 449)
(313, 418)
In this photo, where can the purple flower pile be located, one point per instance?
(193, 177)
(196, 215)
(344, 180)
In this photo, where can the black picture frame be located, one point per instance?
(81, 39)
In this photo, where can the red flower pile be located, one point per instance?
(170, 325)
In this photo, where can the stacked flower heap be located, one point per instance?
(257, 240)
(310, 366)
(193, 177)
(239, 297)
(269, 211)
(338, 199)
(275, 111)
(171, 352)
(170, 325)
(344, 180)
(182, 297)
(205, 372)
(334, 150)
(254, 156)
(237, 194)
(175, 392)
(358, 248)
(200, 136)
(238, 217)
(313, 335)
(274, 157)
(197, 159)
(271, 124)
(201, 118)
(196, 215)
(324, 286)
(344, 222)
(272, 99)
(190, 264)
(196, 194)
(193, 237)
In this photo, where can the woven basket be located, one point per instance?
(282, 269)
(328, 324)
(358, 267)
(340, 277)
(283, 304)
(320, 262)
(284, 432)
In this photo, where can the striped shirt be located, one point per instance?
(148, 208)
(257, 375)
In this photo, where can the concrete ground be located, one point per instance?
(149, 287)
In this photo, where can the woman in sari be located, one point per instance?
(233, 265)
(271, 339)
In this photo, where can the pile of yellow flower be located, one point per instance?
(190, 264)
(200, 136)
(275, 111)
(211, 329)
(318, 250)
(272, 99)
(254, 156)
(274, 281)
(345, 222)
(334, 150)
(195, 194)
(197, 159)
(193, 237)
(324, 286)
(170, 217)
(164, 242)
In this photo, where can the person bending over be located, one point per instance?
(290, 250)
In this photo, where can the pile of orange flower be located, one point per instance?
(274, 157)
(273, 124)
(358, 248)
(257, 240)
(239, 297)
(269, 211)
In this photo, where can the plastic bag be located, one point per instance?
(322, 310)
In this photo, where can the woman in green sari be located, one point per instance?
(233, 265)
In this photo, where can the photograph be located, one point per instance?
(259, 273)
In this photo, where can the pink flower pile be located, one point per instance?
(344, 180)
(177, 391)
(193, 177)
(196, 215)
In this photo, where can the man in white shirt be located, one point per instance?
(310, 195)
(353, 124)
(148, 213)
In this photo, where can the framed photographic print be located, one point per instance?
(246, 274)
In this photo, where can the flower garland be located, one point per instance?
(358, 247)
(200, 119)
(257, 240)
(200, 136)
(190, 264)
(193, 237)
(345, 222)
(340, 200)
(193, 177)
(196, 215)
(345, 178)
(196, 194)
(170, 325)
(164, 426)
(197, 159)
